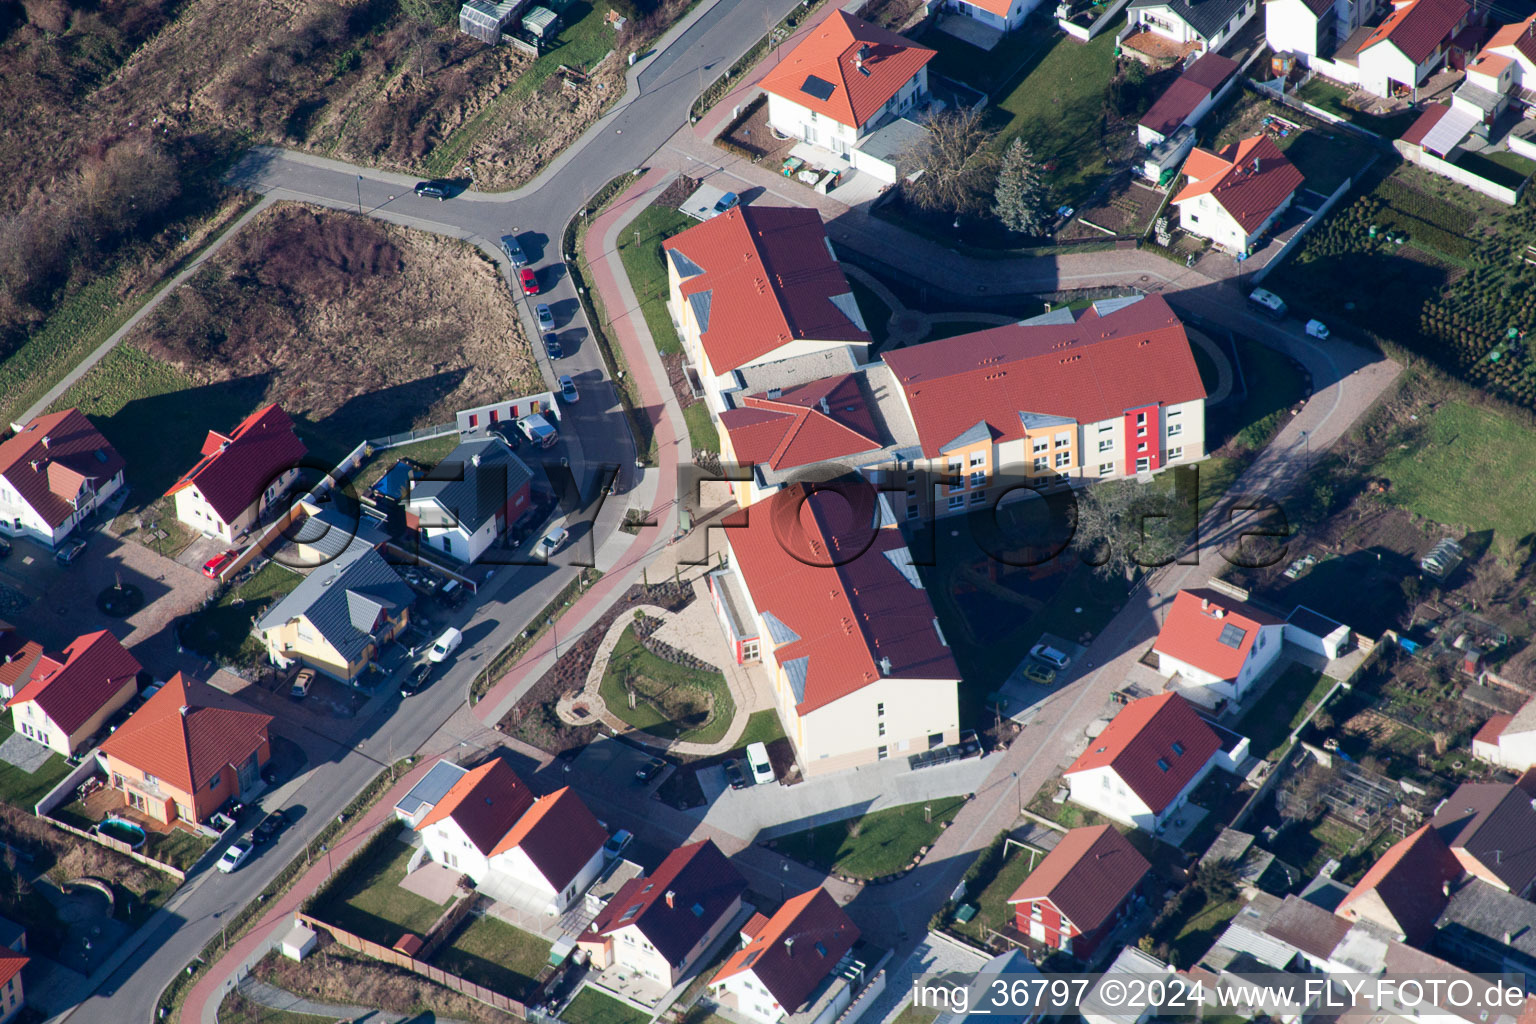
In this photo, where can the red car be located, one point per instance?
(530, 281)
(217, 564)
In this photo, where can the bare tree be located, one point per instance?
(958, 166)
(1490, 575)
(1123, 526)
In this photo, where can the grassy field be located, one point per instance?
(24, 790)
(879, 843)
(1472, 467)
(640, 250)
(426, 453)
(702, 434)
(1501, 168)
(1327, 96)
(222, 630)
(673, 701)
(592, 1007)
(992, 907)
(370, 901)
(1269, 723)
(1197, 932)
(1057, 107)
(1274, 384)
(914, 1014)
(492, 953)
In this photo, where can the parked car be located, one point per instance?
(757, 761)
(509, 433)
(538, 430)
(301, 684)
(5, 547)
(238, 853)
(568, 389)
(546, 318)
(1042, 674)
(616, 844)
(71, 550)
(218, 563)
(648, 771)
(552, 346)
(417, 680)
(551, 541)
(729, 201)
(530, 281)
(445, 644)
(1317, 329)
(270, 827)
(1050, 655)
(453, 593)
(437, 189)
(513, 251)
(734, 774)
(1266, 300)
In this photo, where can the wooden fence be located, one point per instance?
(395, 958)
(121, 847)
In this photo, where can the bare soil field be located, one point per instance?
(359, 329)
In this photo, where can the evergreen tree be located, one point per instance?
(1021, 198)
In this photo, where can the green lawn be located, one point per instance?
(1502, 168)
(1471, 466)
(987, 70)
(222, 631)
(583, 41)
(155, 415)
(992, 907)
(879, 843)
(425, 453)
(1269, 723)
(640, 250)
(1274, 384)
(492, 953)
(592, 1007)
(369, 901)
(1199, 930)
(914, 1014)
(1058, 108)
(702, 434)
(1326, 159)
(21, 789)
(762, 727)
(1329, 97)
(673, 701)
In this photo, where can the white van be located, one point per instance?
(1269, 302)
(445, 644)
(758, 763)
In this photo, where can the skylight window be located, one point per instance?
(632, 911)
(821, 948)
(1178, 748)
(698, 910)
(1232, 636)
(1162, 765)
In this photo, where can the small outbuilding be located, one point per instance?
(299, 942)
(541, 23)
(1312, 631)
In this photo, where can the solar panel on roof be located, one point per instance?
(818, 87)
(1232, 636)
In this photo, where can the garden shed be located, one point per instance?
(486, 21)
(541, 23)
(1315, 632)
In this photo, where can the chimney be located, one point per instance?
(885, 666)
(789, 946)
(826, 410)
(1445, 889)
(46, 439)
(35, 465)
(775, 393)
(1508, 938)
(1205, 604)
(671, 899)
(183, 710)
(474, 460)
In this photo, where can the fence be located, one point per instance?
(1472, 180)
(412, 436)
(1278, 94)
(87, 767)
(1085, 33)
(395, 958)
(121, 847)
(1291, 243)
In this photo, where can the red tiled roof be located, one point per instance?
(768, 280)
(854, 623)
(816, 422)
(831, 53)
(702, 885)
(1414, 136)
(792, 951)
(1409, 878)
(48, 476)
(1493, 729)
(1140, 740)
(1208, 73)
(1521, 36)
(1199, 618)
(1490, 64)
(1087, 876)
(1090, 370)
(1417, 27)
(183, 742)
(235, 469)
(11, 964)
(1255, 179)
(17, 656)
(558, 834)
(1210, 70)
(486, 803)
(77, 683)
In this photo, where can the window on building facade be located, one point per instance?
(1040, 444)
(1043, 462)
(1063, 439)
(1107, 444)
(977, 497)
(1176, 452)
(1175, 429)
(881, 753)
(1063, 459)
(957, 500)
(978, 458)
(979, 479)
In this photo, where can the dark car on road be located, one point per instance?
(71, 550)
(648, 771)
(5, 547)
(270, 827)
(418, 679)
(552, 346)
(434, 189)
(734, 773)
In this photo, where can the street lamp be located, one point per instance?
(359, 195)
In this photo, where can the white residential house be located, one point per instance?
(467, 501)
(54, 472)
(1201, 26)
(1410, 44)
(1314, 29)
(240, 475)
(1235, 196)
(1509, 741)
(787, 962)
(1142, 768)
(844, 81)
(68, 697)
(1216, 645)
(539, 854)
(1003, 15)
